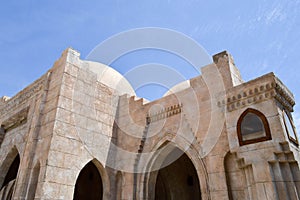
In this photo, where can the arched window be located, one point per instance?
(289, 127)
(253, 127)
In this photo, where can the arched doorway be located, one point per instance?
(89, 183)
(178, 179)
(6, 190)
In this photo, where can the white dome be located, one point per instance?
(179, 87)
(110, 77)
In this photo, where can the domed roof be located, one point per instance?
(179, 87)
(110, 77)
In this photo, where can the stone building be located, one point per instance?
(79, 132)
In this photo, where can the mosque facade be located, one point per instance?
(80, 132)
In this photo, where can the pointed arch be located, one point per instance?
(9, 171)
(9, 167)
(92, 180)
(253, 127)
(166, 155)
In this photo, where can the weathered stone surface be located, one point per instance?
(83, 112)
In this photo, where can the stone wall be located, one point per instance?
(82, 113)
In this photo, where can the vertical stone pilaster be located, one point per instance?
(2, 134)
(263, 180)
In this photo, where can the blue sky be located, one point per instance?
(262, 36)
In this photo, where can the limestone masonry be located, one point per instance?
(79, 132)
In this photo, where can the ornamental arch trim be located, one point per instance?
(160, 155)
(246, 129)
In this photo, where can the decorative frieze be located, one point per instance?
(284, 96)
(165, 113)
(24, 95)
(258, 93)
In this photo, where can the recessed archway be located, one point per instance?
(177, 179)
(12, 172)
(89, 183)
(7, 188)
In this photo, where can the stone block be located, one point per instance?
(83, 119)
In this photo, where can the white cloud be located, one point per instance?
(275, 14)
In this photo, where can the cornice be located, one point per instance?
(23, 96)
(258, 90)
